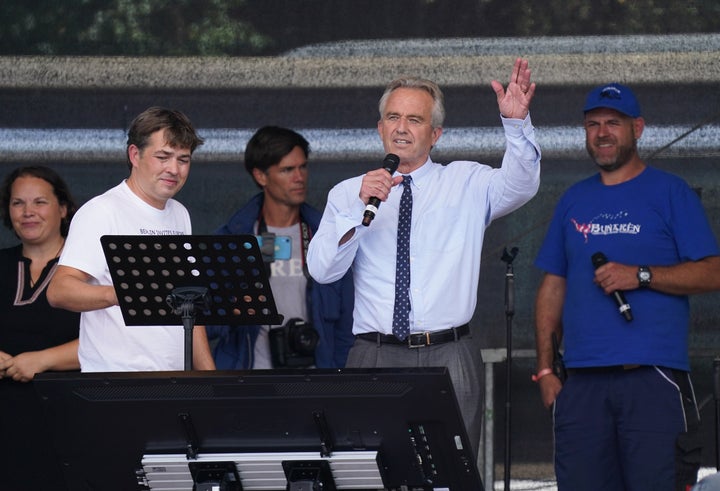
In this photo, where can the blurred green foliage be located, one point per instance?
(127, 27)
(268, 27)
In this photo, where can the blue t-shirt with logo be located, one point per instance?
(653, 219)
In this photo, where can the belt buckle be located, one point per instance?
(419, 334)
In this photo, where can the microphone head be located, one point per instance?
(391, 163)
(598, 259)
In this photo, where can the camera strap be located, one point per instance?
(305, 236)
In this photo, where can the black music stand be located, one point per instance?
(177, 279)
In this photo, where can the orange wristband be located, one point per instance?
(541, 374)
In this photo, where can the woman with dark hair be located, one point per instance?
(36, 205)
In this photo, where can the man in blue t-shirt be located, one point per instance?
(624, 250)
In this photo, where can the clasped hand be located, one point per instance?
(21, 368)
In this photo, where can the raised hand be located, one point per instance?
(515, 101)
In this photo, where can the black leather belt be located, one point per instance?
(607, 369)
(419, 339)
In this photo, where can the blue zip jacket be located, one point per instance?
(330, 306)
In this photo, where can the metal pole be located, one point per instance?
(509, 313)
(489, 458)
(716, 390)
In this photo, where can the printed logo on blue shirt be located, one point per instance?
(607, 224)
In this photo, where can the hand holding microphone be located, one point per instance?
(599, 259)
(390, 164)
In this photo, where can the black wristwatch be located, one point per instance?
(644, 276)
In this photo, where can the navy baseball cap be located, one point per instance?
(613, 96)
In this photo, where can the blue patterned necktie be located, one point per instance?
(401, 313)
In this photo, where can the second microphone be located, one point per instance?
(598, 259)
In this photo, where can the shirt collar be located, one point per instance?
(420, 174)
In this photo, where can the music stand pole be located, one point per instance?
(184, 301)
(508, 258)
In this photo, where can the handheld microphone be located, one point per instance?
(390, 164)
(598, 259)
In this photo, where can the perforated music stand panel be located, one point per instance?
(145, 270)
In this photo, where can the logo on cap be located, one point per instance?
(613, 96)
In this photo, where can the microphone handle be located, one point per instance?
(623, 306)
(370, 210)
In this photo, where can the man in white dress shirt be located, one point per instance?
(451, 207)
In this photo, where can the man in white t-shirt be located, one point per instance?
(159, 149)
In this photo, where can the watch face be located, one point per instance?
(644, 276)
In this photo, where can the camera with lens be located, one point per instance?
(293, 345)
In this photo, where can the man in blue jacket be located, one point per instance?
(276, 158)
